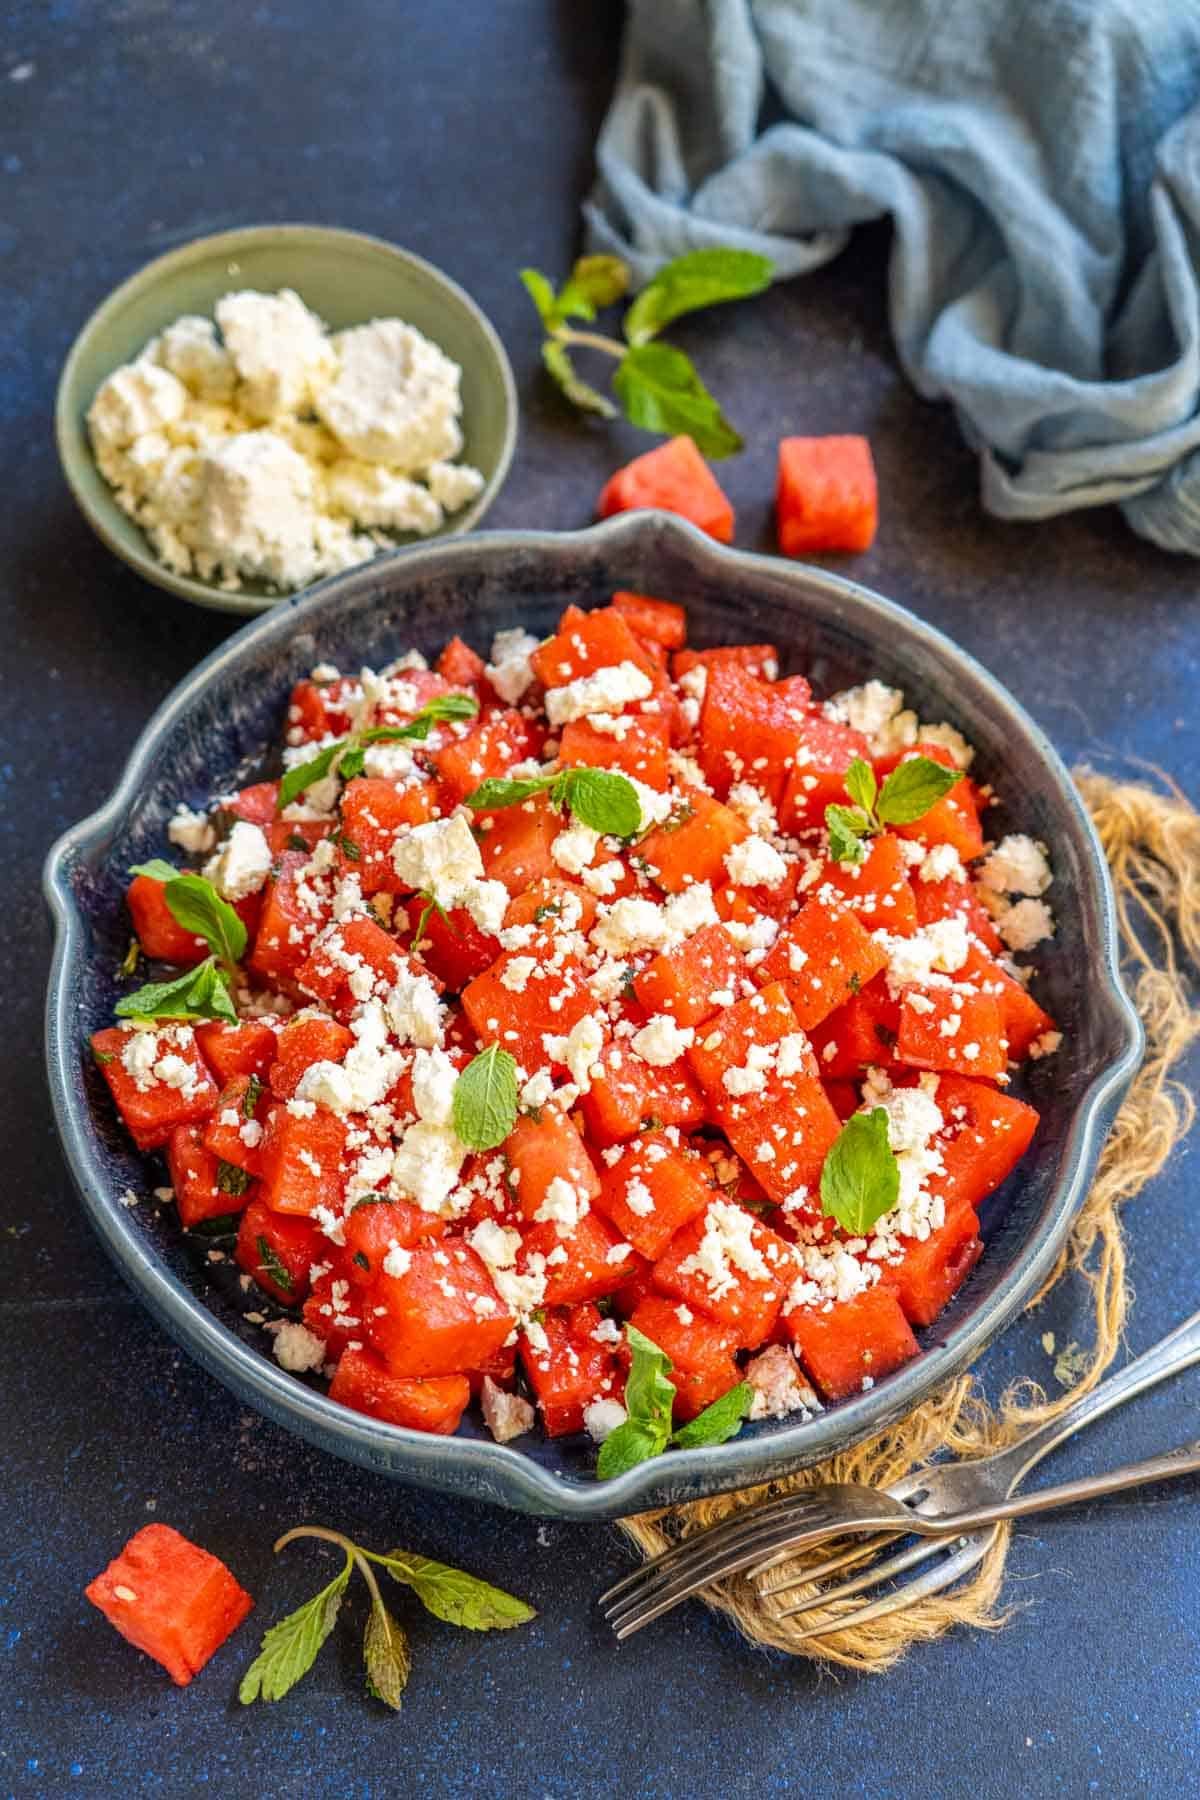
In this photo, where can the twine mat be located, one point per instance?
(1152, 842)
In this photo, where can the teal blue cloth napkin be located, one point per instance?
(1040, 160)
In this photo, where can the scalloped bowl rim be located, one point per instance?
(205, 593)
(508, 1475)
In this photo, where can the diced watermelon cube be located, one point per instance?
(171, 1599)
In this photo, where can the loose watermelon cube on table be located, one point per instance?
(171, 1599)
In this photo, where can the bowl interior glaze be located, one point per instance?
(213, 733)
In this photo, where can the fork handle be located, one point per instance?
(1183, 1461)
(1178, 1350)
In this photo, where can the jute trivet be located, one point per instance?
(1152, 841)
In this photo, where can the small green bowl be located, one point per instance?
(345, 277)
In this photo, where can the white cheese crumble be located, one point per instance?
(212, 449)
(602, 1417)
(604, 690)
(296, 1348)
(755, 863)
(442, 858)
(661, 1041)
(506, 1415)
(509, 671)
(1027, 923)
(192, 831)
(1017, 865)
(242, 864)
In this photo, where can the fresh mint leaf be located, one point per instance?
(251, 1097)
(603, 800)
(195, 904)
(290, 1648)
(199, 993)
(541, 292)
(847, 828)
(442, 709)
(600, 279)
(557, 359)
(156, 869)
(659, 389)
(484, 1107)
(912, 788)
(697, 279)
(352, 763)
(386, 1655)
(498, 791)
(722, 1420)
(861, 1177)
(861, 785)
(305, 775)
(649, 1398)
(630, 1444)
(232, 1180)
(270, 1265)
(455, 1596)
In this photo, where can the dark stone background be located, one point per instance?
(464, 133)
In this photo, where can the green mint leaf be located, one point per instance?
(270, 1265)
(156, 869)
(847, 828)
(557, 359)
(386, 1655)
(371, 1200)
(649, 1396)
(604, 800)
(659, 389)
(861, 1177)
(195, 904)
(251, 1097)
(455, 1596)
(290, 1648)
(699, 278)
(599, 280)
(485, 1099)
(432, 905)
(541, 293)
(103, 1057)
(630, 1444)
(497, 792)
(232, 1180)
(441, 709)
(912, 788)
(306, 775)
(129, 961)
(224, 1225)
(352, 763)
(722, 1420)
(861, 785)
(199, 993)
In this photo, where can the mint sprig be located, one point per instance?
(484, 1106)
(199, 993)
(907, 794)
(290, 1648)
(649, 1402)
(656, 385)
(347, 758)
(599, 798)
(861, 1177)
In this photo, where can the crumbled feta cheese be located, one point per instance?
(426, 1164)
(192, 831)
(453, 484)
(662, 1041)
(727, 1245)
(296, 1348)
(754, 807)
(755, 863)
(941, 863)
(878, 712)
(562, 1203)
(604, 690)
(413, 1009)
(602, 1417)
(242, 864)
(132, 402)
(941, 947)
(1027, 923)
(579, 1050)
(574, 848)
(394, 398)
(509, 671)
(278, 348)
(433, 1082)
(506, 1415)
(497, 1245)
(1018, 865)
(779, 1387)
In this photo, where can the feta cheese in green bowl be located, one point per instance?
(262, 408)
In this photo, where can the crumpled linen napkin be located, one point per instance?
(1040, 160)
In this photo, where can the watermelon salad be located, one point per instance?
(607, 998)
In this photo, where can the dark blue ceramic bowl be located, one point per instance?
(214, 732)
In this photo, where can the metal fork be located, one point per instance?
(956, 1487)
(754, 1538)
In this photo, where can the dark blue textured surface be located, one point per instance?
(141, 124)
